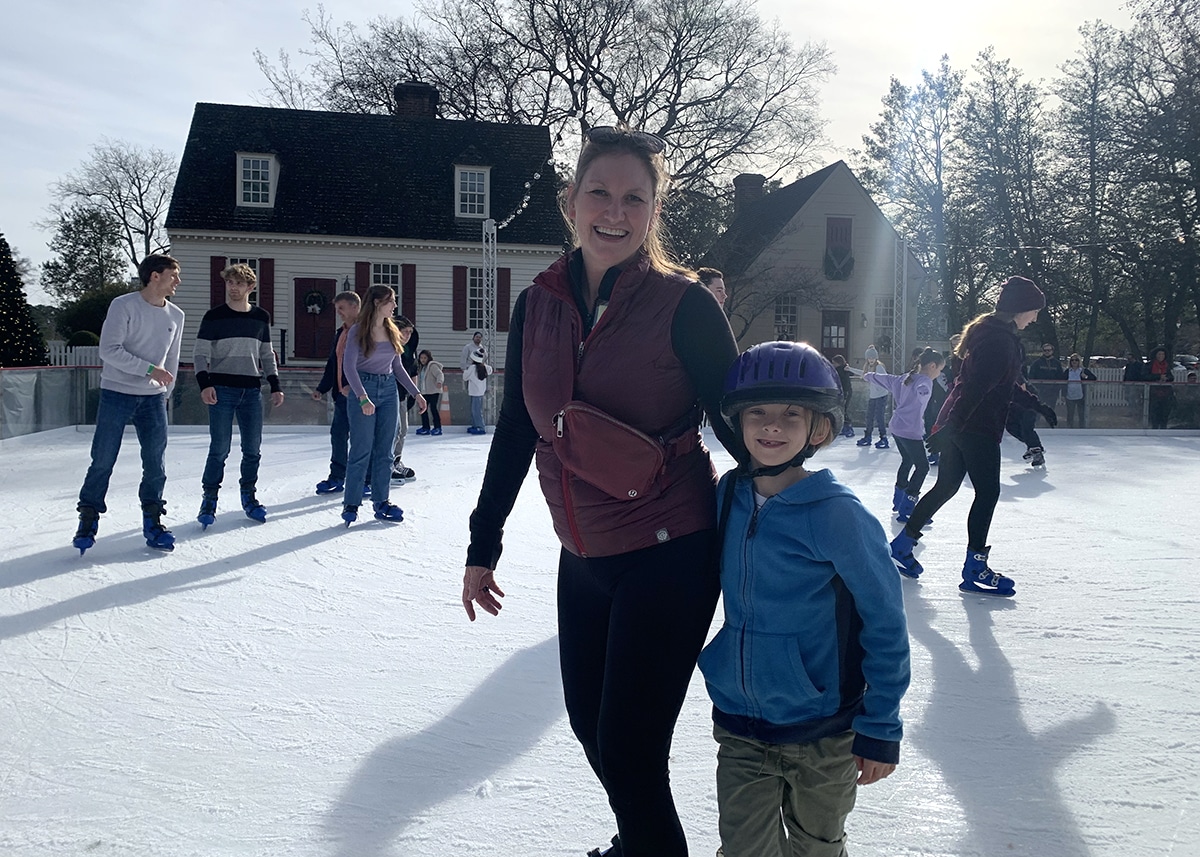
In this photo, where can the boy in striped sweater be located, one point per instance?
(233, 353)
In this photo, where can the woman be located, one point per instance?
(637, 574)
(911, 394)
(373, 367)
(969, 428)
(1162, 397)
(430, 379)
(1076, 375)
(477, 384)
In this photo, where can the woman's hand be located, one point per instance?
(422, 405)
(479, 584)
(368, 408)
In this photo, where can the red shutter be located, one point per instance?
(362, 278)
(459, 298)
(408, 292)
(266, 286)
(216, 285)
(503, 298)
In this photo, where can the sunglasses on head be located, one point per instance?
(604, 134)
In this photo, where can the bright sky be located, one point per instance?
(72, 73)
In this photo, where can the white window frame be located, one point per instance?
(787, 317)
(469, 200)
(386, 274)
(253, 263)
(251, 161)
(475, 297)
(885, 314)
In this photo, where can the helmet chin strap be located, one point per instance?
(796, 461)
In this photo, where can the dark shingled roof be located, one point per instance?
(369, 175)
(753, 230)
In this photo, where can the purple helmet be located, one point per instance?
(792, 372)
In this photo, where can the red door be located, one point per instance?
(316, 321)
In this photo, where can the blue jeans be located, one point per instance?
(371, 439)
(245, 403)
(339, 439)
(876, 407)
(149, 415)
(477, 411)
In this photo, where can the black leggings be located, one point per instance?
(432, 400)
(974, 455)
(914, 461)
(630, 627)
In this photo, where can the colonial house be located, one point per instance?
(320, 202)
(816, 261)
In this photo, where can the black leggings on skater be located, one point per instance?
(630, 627)
(963, 454)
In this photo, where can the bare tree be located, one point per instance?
(729, 92)
(130, 184)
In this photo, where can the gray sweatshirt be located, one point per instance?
(136, 336)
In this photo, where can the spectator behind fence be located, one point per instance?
(1162, 397)
(1076, 375)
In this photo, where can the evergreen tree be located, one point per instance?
(21, 342)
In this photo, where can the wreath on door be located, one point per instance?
(315, 302)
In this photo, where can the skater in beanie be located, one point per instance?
(877, 403)
(969, 429)
(808, 670)
(911, 394)
(139, 347)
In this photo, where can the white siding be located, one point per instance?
(301, 256)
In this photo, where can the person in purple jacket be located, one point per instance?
(372, 367)
(969, 429)
(911, 394)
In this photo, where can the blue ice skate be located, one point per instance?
(157, 536)
(254, 510)
(980, 580)
(208, 511)
(89, 523)
(385, 511)
(902, 554)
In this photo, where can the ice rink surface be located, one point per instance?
(297, 688)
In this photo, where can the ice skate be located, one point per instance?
(208, 510)
(865, 440)
(902, 554)
(613, 850)
(1038, 457)
(89, 523)
(157, 536)
(980, 580)
(907, 503)
(882, 443)
(349, 514)
(331, 486)
(897, 498)
(385, 511)
(254, 510)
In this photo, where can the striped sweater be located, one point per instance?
(233, 349)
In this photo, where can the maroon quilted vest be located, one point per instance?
(628, 369)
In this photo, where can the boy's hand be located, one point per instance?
(870, 771)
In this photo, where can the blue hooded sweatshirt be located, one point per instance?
(814, 641)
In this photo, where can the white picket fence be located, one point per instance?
(77, 355)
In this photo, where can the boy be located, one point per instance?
(346, 305)
(807, 672)
(233, 352)
(139, 346)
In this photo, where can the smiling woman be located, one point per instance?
(637, 574)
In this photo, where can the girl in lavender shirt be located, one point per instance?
(911, 394)
(372, 366)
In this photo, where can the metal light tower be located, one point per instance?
(900, 308)
(489, 310)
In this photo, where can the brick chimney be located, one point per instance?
(414, 98)
(747, 188)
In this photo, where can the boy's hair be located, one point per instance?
(707, 275)
(153, 264)
(351, 298)
(241, 272)
(403, 322)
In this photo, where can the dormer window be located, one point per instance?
(257, 176)
(472, 191)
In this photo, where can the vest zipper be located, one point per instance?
(750, 529)
(569, 508)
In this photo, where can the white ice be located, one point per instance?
(298, 688)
